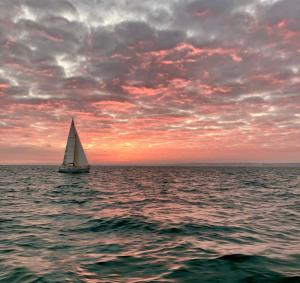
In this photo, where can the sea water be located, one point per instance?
(150, 224)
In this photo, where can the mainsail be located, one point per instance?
(74, 153)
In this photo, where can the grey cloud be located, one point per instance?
(80, 52)
(53, 7)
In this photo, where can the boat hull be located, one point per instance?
(74, 170)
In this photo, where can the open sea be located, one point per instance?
(150, 224)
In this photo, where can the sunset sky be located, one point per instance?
(173, 81)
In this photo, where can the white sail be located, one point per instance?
(74, 153)
(80, 157)
(70, 147)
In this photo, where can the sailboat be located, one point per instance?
(75, 160)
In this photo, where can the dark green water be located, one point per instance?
(150, 224)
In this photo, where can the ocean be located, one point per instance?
(150, 224)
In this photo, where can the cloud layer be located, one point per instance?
(151, 81)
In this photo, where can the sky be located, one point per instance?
(151, 82)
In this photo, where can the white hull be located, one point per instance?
(74, 170)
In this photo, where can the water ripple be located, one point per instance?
(150, 224)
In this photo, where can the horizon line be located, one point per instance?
(161, 164)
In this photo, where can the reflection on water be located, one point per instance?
(150, 224)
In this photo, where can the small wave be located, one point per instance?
(4, 220)
(19, 275)
(134, 225)
(289, 279)
(231, 268)
(229, 259)
(118, 224)
(122, 267)
(238, 257)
